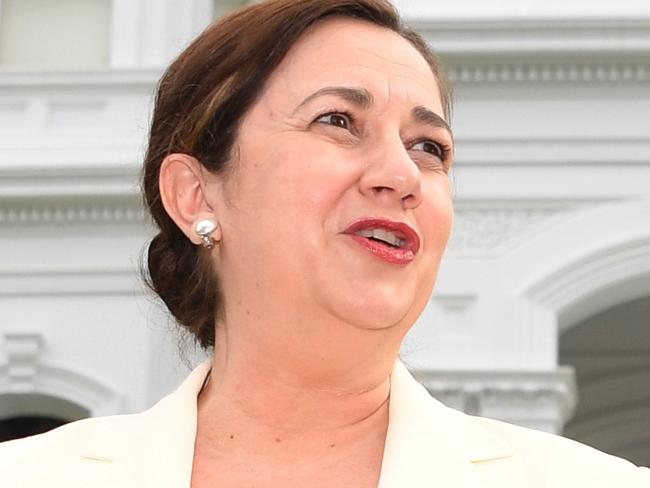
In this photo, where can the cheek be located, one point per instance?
(294, 186)
(314, 177)
(437, 217)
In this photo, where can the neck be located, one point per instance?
(282, 390)
(287, 389)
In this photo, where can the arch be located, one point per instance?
(69, 391)
(610, 351)
(40, 405)
(584, 263)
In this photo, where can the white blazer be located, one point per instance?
(428, 446)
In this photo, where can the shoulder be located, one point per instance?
(550, 460)
(498, 454)
(69, 437)
(120, 450)
(59, 454)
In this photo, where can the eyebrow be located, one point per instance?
(425, 116)
(357, 96)
(363, 98)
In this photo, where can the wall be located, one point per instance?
(552, 184)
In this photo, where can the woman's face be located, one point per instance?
(346, 146)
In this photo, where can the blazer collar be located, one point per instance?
(427, 444)
(152, 448)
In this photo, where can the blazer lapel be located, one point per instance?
(154, 448)
(428, 444)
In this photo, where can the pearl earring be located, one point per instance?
(205, 228)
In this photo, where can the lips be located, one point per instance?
(394, 242)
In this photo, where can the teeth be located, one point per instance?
(382, 235)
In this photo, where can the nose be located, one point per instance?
(391, 176)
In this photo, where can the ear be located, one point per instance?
(182, 185)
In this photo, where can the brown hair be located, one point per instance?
(199, 105)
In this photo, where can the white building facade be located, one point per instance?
(541, 314)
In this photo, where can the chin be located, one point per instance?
(368, 299)
(376, 309)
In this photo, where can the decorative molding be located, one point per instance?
(540, 51)
(488, 231)
(491, 228)
(57, 283)
(85, 179)
(454, 304)
(480, 228)
(117, 79)
(526, 72)
(538, 399)
(560, 152)
(23, 354)
(558, 36)
(91, 211)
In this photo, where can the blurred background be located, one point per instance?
(541, 314)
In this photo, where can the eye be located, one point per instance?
(337, 119)
(431, 147)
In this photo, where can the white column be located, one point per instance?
(150, 33)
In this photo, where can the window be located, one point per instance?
(61, 34)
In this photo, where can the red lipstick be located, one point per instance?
(394, 242)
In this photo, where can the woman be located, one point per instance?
(298, 172)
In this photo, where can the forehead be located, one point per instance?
(347, 52)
